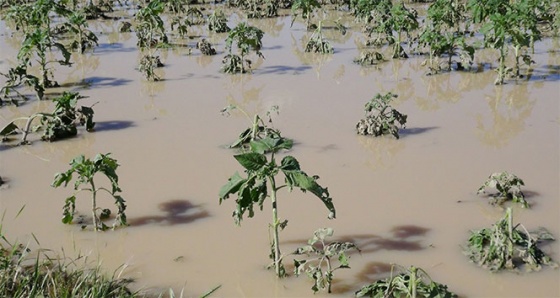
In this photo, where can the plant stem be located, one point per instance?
(413, 281)
(275, 225)
(94, 204)
(329, 272)
(255, 128)
(510, 231)
(27, 127)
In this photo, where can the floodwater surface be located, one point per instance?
(410, 201)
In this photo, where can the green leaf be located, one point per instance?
(60, 178)
(305, 183)
(289, 163)
(8, 129)
(251, 161)
(68, 210)
(231, 187)
(271, 145)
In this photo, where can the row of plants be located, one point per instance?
(449, 29)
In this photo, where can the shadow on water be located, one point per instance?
(404, 238)
(112, 125)
(282, 69)
(176, 212)
(415, 131)
(96, 82)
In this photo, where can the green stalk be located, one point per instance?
(255, 128)
(94, 204)
(413, 281)
(328, 273)
(510, 231)
(275, 225)
(516, 51)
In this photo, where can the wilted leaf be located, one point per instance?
(232, 186)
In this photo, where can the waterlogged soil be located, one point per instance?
(410, 201)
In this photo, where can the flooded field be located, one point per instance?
(410, 201)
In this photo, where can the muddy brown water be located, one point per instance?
(410, 201)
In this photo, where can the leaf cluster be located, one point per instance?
(255, 187)
(381, 117)
(508, 187)
(258, 129)
(86, 170)
(411, 282)
(505, 247)
(321, 254)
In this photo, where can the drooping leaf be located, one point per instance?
(9, 129)
(231, 187)
(301, 180)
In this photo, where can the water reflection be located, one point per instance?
(84, 64)
(248, 98)
(509, 113)
(382, 150)
(316, 59)
(271, 26)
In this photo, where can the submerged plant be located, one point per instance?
(411, 282)
(217, 22)
(257, 130)
(317, 43)
(86, 170)
(322, 254)
(37, 44)
(260, 183)
(508, 23)
(305, 9)
(59, 124)
(369, 58)
(205, 47)
(150, 29)
(246, 39)
(381, 117)
(508, 187)
(442, 36)
(505, 247)
(147, 66)
(82, 37)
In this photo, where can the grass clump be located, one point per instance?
(24, 274)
